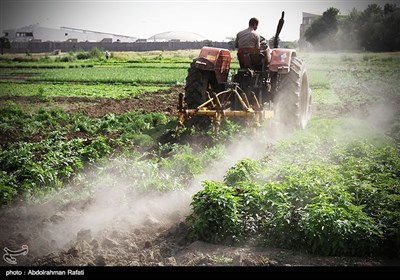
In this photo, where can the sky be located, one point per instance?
(215, 20)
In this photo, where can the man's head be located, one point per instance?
(253, 23)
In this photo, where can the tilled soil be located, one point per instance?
(56, 236)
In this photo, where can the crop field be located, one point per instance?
(91, 165)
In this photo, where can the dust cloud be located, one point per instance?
(112, 204)
(374, 120)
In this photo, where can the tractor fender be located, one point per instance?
(215, 59)
(280, 60)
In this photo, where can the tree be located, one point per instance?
(371, 28)
(4, 44)
(348, 37)
(391, 24)
(323, 30)
(374, 29)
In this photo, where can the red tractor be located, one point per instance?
(258, 91)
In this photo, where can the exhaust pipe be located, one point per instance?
(278, 30)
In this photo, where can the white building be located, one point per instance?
(177, 36)
(36, 32)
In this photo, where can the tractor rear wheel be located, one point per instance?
(293, 100)
(197, 83)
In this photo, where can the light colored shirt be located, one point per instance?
(247, 38)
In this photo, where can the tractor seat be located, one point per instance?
(250, 58)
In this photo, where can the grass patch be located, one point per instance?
(77, 90)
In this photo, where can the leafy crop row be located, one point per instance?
(57, 153)
(34, 168)
(341, 200)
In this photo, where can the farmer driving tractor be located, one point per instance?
(250, 50)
